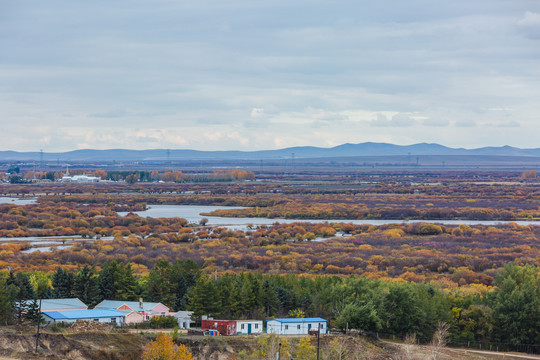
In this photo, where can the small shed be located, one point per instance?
(225, 327)
(298, 326)
(110, 316)
(247, 327)
(183, 318)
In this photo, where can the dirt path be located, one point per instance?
(501, 355)
(456, 353)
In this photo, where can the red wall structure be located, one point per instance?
(225, 327)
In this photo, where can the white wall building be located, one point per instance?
(246, 327)
(184, 319)
(300, 326)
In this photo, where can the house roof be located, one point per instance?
(83, 314)
(53, 304)
(115, 304)
(126, 312)
(182, 314)
(299, 320)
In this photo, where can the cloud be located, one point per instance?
(188, 68)
(258, 113)
(507, 124)
(438, 122)
(465, 123)
(109, 114)
(398, 120)
(530, 24)
(324, 115)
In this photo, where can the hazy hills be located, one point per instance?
(367, 149)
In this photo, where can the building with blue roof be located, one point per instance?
(110, 316)
(297, 326)
(146, 310)
(57, 304)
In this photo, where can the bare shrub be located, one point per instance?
(439, 339)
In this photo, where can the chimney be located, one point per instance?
(140, 302)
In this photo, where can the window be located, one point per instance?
(242, 327)
(286, 327)
(163, 314)
(256, 326)
(113, 320)
(298, 327)
(96, 319)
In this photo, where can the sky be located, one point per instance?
(253, 75)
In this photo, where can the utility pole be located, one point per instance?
(318, 340)
(38, 324)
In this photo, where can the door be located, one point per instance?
(249, 329)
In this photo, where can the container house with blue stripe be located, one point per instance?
(298, 326)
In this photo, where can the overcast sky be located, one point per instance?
(250, 75)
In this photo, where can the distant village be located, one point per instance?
(124, 313)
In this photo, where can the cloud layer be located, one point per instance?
(216, 75)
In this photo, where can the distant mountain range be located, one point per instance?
(299, 152)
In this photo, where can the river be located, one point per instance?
(192, 213)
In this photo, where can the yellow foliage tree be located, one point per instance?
(163, 348)
(305, 350)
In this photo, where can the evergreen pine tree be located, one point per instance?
(86, 286)
(269, 297)
(181, 296)
(62, 284)
(7, 303)
(204, 299)
(32, 311)
(106, 284)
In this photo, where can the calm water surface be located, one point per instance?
(16, 201)
(192, 213)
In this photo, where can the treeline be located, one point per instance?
(133, 176)
(361, 210)
(509, 313)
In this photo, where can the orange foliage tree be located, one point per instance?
(163, 348)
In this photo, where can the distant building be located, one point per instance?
(79, 178)
(247, 327)
(59, 304)
(225, 327)
(147, 309)
(132, 317)
(233, 327)
(300, 326)
(99, 315)
(184, 319)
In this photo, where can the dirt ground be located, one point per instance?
(127, 345)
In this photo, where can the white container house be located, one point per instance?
(247, 327)
(299, 326)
